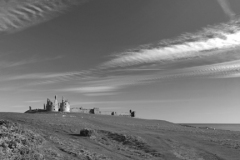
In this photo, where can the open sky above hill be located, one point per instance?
(166, 59)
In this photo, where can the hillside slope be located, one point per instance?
(117, 138)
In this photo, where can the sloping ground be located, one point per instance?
(56, 136)
(17, 142)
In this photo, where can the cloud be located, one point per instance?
(219, 70)
(9, 64)
(209, 53)
(208, 71)
(34, 101)
(30, 82)
(91, 89)
(41, 76)
(189, 47)
(226, 8)
(132, 102)
(20, 14)
(102, 93)
(111, 84)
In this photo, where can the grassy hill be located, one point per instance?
(56, 136)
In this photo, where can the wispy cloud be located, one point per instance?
(103, 93)
(40, 76)
(92, 89)
(17, 15)
(132, 102)
(208, 53)
(34, 101)
(215, 49)
(189, 46)
(33, 59)
(227, 8)
(111, 84)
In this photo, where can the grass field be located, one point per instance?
(56, 136)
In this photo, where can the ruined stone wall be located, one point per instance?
(98, 111)
(95, 111)
(80, 110)
(106, 112)
(124, 114)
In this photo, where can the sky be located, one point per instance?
(165, 59)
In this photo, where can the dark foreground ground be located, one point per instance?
(56, 136)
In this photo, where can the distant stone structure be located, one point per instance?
(81, 110)
(52, 107)
(84, 110)
(55, 104)
(97, 111)
(64, 106)
(132, 113)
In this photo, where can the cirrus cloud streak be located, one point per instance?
(16, 15)
(187, 46)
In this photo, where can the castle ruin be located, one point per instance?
(98, 111)
(84, 110)
(52, 106)
(64, 106)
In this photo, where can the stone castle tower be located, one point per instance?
(52, 106)
(55, 104)
(64, 106)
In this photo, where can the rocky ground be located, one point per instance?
(57, 136)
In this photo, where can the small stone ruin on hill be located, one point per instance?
(54, 106)
(64, 106)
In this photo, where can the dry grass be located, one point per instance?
(19, 143)
(56, 137)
